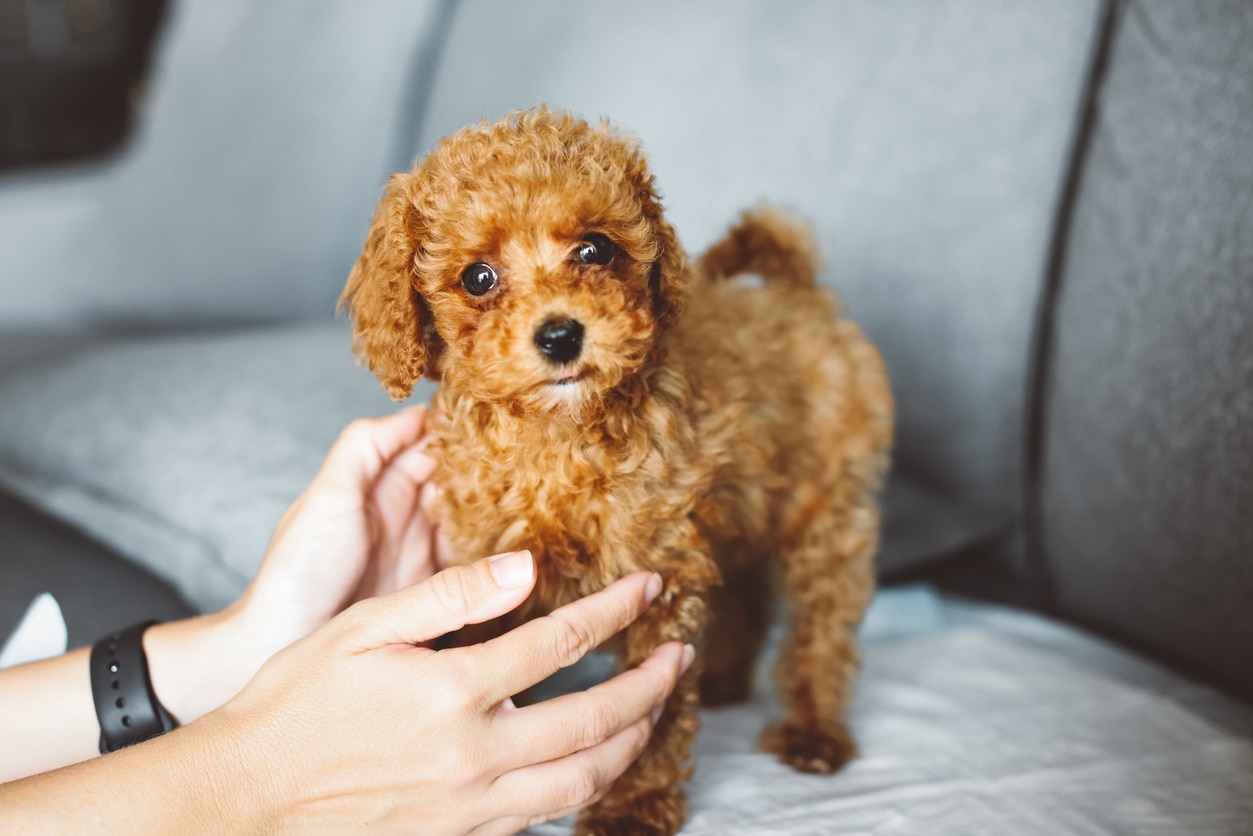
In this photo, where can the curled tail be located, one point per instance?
(766, 242)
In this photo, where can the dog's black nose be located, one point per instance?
(560, 339)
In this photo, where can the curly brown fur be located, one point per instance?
(706, 429)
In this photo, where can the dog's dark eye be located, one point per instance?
(595, 249)
(478, 279)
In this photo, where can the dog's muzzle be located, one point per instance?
(560, 339)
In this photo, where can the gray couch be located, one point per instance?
(1043, 213)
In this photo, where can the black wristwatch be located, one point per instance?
(126, 705)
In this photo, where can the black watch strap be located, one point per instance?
(126, 705)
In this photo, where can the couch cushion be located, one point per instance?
(181, 453)
(1146, 493)
(267, 131)
(926, 139)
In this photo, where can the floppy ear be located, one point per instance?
(668, 280)
(668, 276)
(389, 317)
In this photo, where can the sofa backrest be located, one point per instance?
(1144, 502)
(926, 140)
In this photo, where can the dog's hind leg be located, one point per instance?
(828, 579)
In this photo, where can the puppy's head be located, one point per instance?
(525, 263)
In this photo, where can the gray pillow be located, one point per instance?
(181, 452)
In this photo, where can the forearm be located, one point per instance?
(191, 780)
(47, 715)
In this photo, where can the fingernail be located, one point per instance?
(512, 570)
(655, 714)
(689, 655)
(653, 588)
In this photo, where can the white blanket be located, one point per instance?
(977, 720)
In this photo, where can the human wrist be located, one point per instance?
(227, 772)
(197, 664)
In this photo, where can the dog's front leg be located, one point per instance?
(649, 797)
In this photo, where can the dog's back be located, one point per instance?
(808, 391)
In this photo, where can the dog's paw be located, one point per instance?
(657, 813)
(817, 749)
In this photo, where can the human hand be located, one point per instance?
(359, 724)
(358, 530)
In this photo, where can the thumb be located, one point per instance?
(367, 445)
(467, 594)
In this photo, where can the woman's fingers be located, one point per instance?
(405, 475)
(545, 645)
(566, 724)
(556, 788)
(459, 595)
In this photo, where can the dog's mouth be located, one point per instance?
(568, 377)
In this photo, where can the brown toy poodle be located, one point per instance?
(612, 408)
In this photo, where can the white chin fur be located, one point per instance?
(566, 395)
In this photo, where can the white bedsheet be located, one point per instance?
(979, 720)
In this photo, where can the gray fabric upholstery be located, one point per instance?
(1147, 494)
(267, 131)
(926, 139)
(182, 453)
